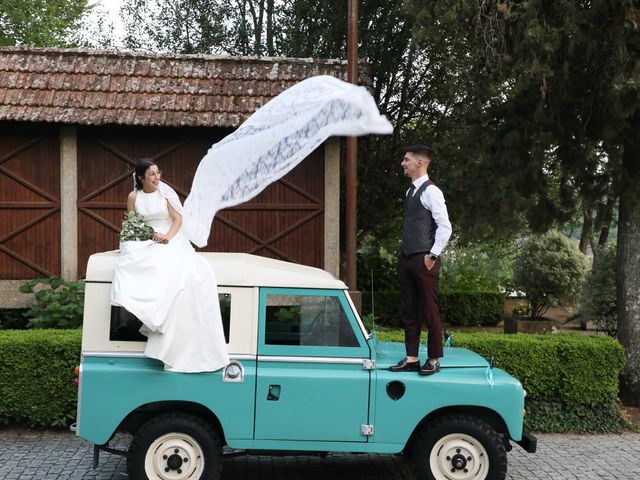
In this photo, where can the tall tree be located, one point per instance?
(561, 77)
(42, 23)
(177, 26)
(239, 27)
(255, 27)
(97, 30)
(411, 84)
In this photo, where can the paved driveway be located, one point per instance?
(55, 455)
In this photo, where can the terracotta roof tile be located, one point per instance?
(92, 100)
(110, 101)
(45, 97)
(198, 103)
(54, 81)
(10, 79)
(60, 100)
(12, 97)
(19, 62)
(93, 87)
(157, 117)
(35, 81)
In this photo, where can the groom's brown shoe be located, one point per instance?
(404, 366)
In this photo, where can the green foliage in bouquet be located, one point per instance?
(135, 229)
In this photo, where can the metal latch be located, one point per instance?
(368, 364)
(366, 430)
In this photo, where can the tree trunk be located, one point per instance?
(587, 230)
(243, 34)
(606, 223)
(628, 267)
(271, 51)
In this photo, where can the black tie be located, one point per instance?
(411, 191)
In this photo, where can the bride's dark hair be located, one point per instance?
(141, 168)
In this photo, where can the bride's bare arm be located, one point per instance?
(131, 202)
(177, 223)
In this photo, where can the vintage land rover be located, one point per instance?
(305, 376)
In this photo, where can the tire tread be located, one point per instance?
(165, 423)
(442, 426)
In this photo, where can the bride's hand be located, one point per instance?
(160, 237)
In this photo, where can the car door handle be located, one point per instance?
(274, 393)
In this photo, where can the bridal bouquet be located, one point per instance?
(135, 229)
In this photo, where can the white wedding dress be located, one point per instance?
(173, 292)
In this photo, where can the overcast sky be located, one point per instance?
(113, 7)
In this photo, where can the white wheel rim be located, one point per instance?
(459, 457)
(174, 456)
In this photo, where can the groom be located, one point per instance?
(425, 234)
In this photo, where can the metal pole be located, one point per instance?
(352, 153)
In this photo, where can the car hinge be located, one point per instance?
(368, 364)
(366, 430)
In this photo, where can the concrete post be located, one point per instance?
(332, 206)
(68, 201)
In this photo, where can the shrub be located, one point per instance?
(554, 416)
(521, 310)
(472, 308)
(598, 301)
(571, 379)
(36, 376)
(58, 306)
(476, 267)
(376, 256)
(13, 318)
(549, 269)
(387, 307)
(457, 308)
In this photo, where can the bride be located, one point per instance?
(166, 285)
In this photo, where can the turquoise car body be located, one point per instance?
(305, 398)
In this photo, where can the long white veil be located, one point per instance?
(272, 142)
(171, 196)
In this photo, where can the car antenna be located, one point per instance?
(373, 312)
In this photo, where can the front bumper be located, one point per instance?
(528, 442)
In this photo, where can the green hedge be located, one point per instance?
(571, 379)
(13, 318)
(456, 308)
(36, 376)
(472, 308)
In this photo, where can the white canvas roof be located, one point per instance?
(236, 269)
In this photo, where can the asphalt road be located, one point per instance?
(58, 455)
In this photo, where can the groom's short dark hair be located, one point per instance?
(420, 149)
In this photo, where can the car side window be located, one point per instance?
(125, 326)
(312, 320)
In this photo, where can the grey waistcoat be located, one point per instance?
(419, 232)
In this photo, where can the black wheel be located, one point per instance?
(459, 447)
(175, 446)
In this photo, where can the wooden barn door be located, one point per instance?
(29, 201)
(106, 160)
(285, 221)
